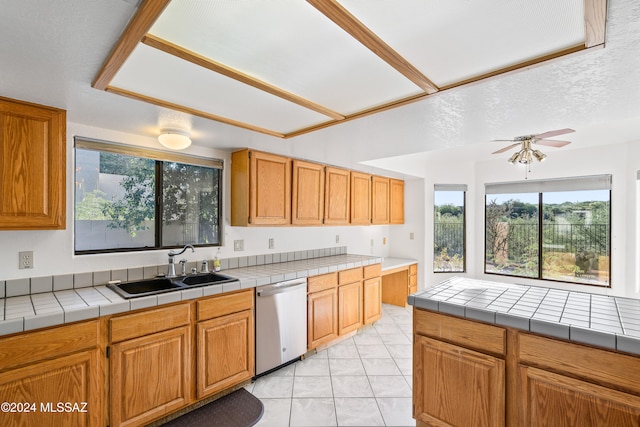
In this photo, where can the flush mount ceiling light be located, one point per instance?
(174, 139)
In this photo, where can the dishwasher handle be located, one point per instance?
(278, 288)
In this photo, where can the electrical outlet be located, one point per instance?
(411, 236)
(25, 259)
(238, 245)
(337, 238)
(384, 240)
(271, 243)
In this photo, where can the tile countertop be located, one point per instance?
(599, 320)
(28, 312)
(391, 263)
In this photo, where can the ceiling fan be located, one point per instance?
(527, 153)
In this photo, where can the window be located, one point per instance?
(552, 230)
(448, 228)
(128, 198)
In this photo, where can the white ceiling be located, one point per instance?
(51, 52)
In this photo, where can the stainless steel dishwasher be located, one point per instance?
(281, 323)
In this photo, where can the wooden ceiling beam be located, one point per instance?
(192, 111)
(142, 21)
(194, 58)
(595, 19)
(349, 23)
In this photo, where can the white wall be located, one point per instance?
(53, 251)
(622, 161)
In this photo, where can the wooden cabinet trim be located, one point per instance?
(149, 321)
(222, 305)
(466, 333)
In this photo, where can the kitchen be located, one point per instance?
(407, 143)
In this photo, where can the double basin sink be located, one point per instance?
(158, 285)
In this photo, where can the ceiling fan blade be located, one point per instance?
(502, 140)
(508, 147)
(552, 142)
(554, 133)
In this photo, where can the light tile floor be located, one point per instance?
(362, 381)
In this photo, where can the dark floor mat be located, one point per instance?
(238, 409)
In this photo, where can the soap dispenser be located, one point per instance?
(216, 261)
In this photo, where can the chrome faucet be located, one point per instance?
(171, 268)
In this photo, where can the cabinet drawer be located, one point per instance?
(466, 333)
(372, 271)
(149, 322)
(349, 276)
(413, 269)
(322, 282)
(225, 304)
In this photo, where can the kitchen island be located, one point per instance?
(493, 354)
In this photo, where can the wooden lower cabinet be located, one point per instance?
(349, 307)
(398, 284)
(372, 300)
(549, 399)
(454, 386)
(150, 376)
(468, 373)
(43, 370)
(322, 317)
(225, 352)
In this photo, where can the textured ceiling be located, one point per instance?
(52, 51)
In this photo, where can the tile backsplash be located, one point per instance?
(37, 285)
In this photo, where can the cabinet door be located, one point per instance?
(74, 379)
(270, 189)
(349, 307)
(337, 191)
(225, 352)
(456, 386)
(552, 399)
(396, 204)
(380, 200)
(150, 376)
(372, 294)
(360, 198)
(322, 317)
(32, 166)
(307, 200)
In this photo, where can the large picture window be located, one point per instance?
(550, 229)
(128, 198)
(449, 228)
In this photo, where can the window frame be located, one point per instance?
(583, 183)
(159, 157)
(462, 188)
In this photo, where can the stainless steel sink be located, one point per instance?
(141, 288)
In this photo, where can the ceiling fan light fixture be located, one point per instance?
(513, 158)
(174, 139)
(539, 155)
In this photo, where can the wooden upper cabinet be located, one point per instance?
(396, 203)
(379, 200)
(260, 188)
(32, 166)
(307, 198)
(337, 191)
(360, 198)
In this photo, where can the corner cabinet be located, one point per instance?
(260, 189)
(307, 198)
(32, 166)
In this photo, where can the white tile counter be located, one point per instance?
(38, 310)
(391, 263)
(603, 321)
